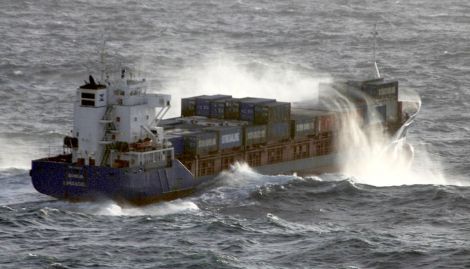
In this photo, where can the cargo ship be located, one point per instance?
(122, 148)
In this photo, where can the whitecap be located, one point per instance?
(158, 209)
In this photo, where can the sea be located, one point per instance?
(377, 212)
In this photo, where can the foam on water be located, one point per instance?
(160, 209)
(393, 227)
(235, 185)
(293, 227)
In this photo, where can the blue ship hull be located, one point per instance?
(136, 186)
(141, 186)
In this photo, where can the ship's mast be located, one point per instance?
(375, 33)
(102, 59)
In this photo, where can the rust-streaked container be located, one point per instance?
(325, 120)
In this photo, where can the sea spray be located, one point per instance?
(231, 75)
(373, 156)
(235, 185)
(18, 149)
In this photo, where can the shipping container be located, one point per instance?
(177, 141)
(272, 112)
(254, 135)
(302, 126)
(232, 109)
(247, 107)
(203, 103)
(381, 89)
(278, 131)
(202, 142)
(188, 107)
(228, 136)
(325, 120)
(217, 109)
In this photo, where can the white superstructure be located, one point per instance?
(116, 124)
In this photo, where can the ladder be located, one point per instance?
(107, 152)
(109, 129)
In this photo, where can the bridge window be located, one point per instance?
(88, 95)
(88, 103)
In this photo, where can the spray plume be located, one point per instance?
(372, 156)
(225, 74)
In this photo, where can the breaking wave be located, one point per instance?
(235, 185)
(160, 209)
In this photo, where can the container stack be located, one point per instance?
(217, 110)
(254, 135)
(276, 116)
(324, 121)
(248, 105)
(177, 141)
(221, 122)
(272, 112)
(200, 105)
(203, 103)
(188, 107)
(200, 143)
(245, 122)
(232, 109)
(227, 136)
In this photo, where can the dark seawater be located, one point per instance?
(418, 218)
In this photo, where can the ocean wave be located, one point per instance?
(109, 208)
(306, 188)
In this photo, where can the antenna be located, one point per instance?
(375, 33)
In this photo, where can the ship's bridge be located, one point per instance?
(119, 112)
(92, 94)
